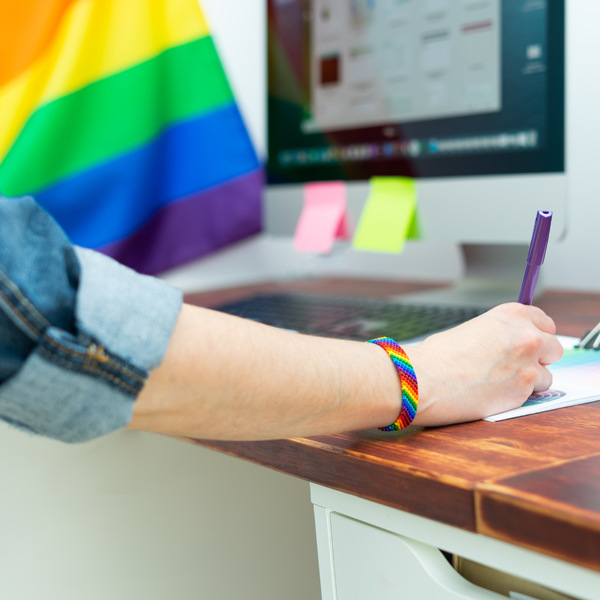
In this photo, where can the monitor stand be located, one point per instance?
(493, 274)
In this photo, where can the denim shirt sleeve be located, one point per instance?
(79, 333)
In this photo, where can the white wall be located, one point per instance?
(575, 264)
(239, 30)
(136, 516)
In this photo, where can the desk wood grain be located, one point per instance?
(484, 477)
(555, 510)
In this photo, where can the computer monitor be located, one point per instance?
(465, 96)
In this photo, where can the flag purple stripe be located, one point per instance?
(208, 220)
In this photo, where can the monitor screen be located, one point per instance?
(420, 88)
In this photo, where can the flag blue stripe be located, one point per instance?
(112, 200)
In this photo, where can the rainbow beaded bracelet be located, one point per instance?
(408, 380)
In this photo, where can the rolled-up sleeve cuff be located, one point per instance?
(132, 315)
(75, 387)
(53, 400)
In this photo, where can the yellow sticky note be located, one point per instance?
(389, 216)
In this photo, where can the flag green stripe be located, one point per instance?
(114, 115)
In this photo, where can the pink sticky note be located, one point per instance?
(323, 218)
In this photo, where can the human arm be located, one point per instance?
(228, 378)
(79, 340)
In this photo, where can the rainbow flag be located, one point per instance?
(117, 116)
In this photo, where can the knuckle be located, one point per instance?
(528, 377)
(516, 312)
(530, 342)
(519, 309)
(507, 308)
(551, 325)
(559, 351)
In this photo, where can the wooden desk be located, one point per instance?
(533, 482)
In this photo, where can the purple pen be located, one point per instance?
(537, 252)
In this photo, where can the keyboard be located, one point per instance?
(349, 318)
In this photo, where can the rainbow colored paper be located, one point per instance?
(116, 115)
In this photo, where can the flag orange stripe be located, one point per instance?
(95, 39)
(26, 25)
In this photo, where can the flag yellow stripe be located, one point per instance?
(96, 39)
